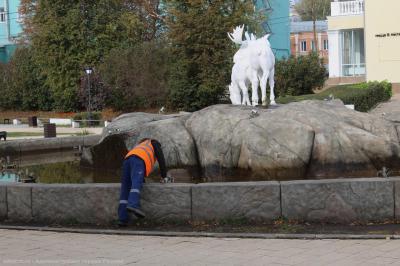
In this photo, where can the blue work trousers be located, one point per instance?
(131, 185)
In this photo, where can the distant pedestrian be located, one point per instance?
(139, 163)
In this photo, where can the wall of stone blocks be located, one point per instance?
(334, 200)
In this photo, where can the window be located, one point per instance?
(326, 45)
(352, 49)
(2, 15)
(313, 46)
(303, 46)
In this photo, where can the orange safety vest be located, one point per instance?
(144, 151)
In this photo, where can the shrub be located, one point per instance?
(86, 116)
(364, 96)
(136, 77)
(299, 75)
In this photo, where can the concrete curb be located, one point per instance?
(201, 234)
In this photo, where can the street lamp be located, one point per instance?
(89, 71)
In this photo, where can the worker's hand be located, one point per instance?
(167, 179)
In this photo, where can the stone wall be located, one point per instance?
(335, 200)
(16, 147)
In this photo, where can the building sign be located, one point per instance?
(384, 35)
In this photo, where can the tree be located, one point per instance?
(197, 31)
(313, 10)
(28, 82)
(136, 77)
(21, 85)
(69, 35)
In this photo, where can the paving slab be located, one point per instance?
(99, 249)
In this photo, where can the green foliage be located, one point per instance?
(299, 75)
(23, 87)
(136, 77)
(364, 96)
(85, 116)
(58, 173)
(84, 132)
(201, 49)
(88, 116)
(8, 97)
(312, 10)
(69, 35)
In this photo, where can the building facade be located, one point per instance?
(382, 40)
(277, 24)
(364, 37)
(10, 28)
(302, 39)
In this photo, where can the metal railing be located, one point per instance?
(347, 8)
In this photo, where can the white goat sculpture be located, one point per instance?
(254, 63)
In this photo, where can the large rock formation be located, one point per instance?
(310, 139)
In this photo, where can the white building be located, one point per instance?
(364, 41)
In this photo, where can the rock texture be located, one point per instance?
(3, 203)
(309, 139)
(19, 203)
(250, 200)
(167, 202)
(396, 185)
(84, 204)
(125, 131)
(339, 201)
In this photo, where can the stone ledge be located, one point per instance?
(249, 200)
(3, 203)
(396, 188)
(19, 203)
(29, 145)
(75, 204)
(167, 201)
(338, 201)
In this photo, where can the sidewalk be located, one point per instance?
(62, 131)
(50, 248)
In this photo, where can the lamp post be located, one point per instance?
(89, 71)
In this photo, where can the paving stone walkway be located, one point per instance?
(51, 248)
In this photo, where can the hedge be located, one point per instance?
(86, 116)
(364, 96)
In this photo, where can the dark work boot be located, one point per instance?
(122, 224)
(137, 212)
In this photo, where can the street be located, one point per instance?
(51, 248)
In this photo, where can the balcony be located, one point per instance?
(347, 8)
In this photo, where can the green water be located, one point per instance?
(71, 172)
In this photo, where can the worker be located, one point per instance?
(139, 163)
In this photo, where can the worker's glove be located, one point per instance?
(167, 179)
